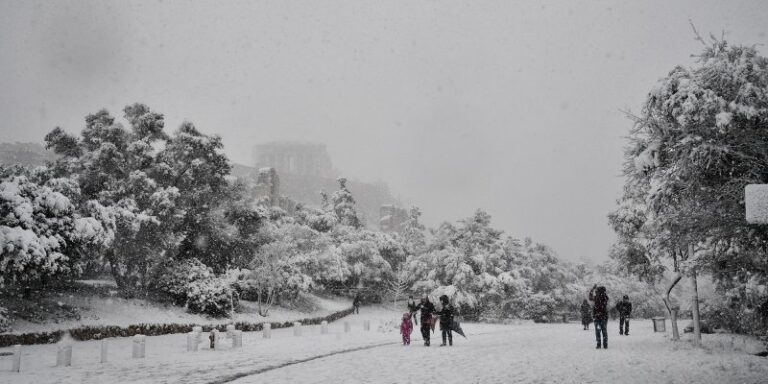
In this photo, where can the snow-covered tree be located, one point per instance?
(42, 233)
(344, 205)
(699, 140)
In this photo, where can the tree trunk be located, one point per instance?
(695, 310)
(672, 311)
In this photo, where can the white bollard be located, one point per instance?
(193, 339)
(16, 358)
(64, 356)
(139, 344)
(367, 325)
(267, 330)
(237, 339)
(230, 330)
(104, 351)
(297, 328)
(347, 326)
(323, 327)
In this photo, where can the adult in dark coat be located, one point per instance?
(412, 309)
(599, 298)
(624, 307)
(427, 309)
(356, 303)
(586, 314)
(446, 320)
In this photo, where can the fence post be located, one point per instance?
(237, 339)
(297, 328)
(367, 325)
(323, 327)
(347, 326)
(267, 330)
(16, 358)
(230, 330)
(104, 350)
(64, 356)
(139, 343)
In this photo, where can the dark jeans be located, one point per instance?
(447, 333)
(623, 325)
(357, 309)
(425, 329)
(600, 327)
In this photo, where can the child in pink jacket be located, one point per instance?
(406, 327)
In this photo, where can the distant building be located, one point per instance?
(298, 158)
(267, 190)
(392, 218)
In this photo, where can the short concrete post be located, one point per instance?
(139, 344)
(104, 351)
(297, 328)
(267, 330)
(64, 356)
(16, 358)
(347, 326)
(367, 325)
(237, 339)
(230, 330)
(323, 327)
(193, 339)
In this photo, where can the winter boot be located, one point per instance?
(605, 344)
(598, 345)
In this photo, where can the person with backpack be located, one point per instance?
(446, 320)
(599, 298)
(427, 309)
(624, 307)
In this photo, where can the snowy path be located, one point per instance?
(530, 353)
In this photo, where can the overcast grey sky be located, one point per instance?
(509, 106)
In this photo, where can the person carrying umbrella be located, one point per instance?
(446, 320)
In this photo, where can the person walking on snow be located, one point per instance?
(356, 303)
(427, 309)
(586, 316)
(446, 320)
(624, 307)
(406, 327)
(412, 308)
(599, 298)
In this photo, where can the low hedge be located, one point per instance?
(106, 331)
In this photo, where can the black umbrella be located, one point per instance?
(456, 327)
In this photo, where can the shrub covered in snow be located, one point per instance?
(212, 296)
(193, 284)
(5, 322)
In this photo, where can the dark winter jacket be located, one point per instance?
(356, 301)
(586, 316)
(625, 308)
(600, 300)
(412, 306)
(427, 309)
(446, 316)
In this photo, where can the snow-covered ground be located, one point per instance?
(530, 353)
(118, 311)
